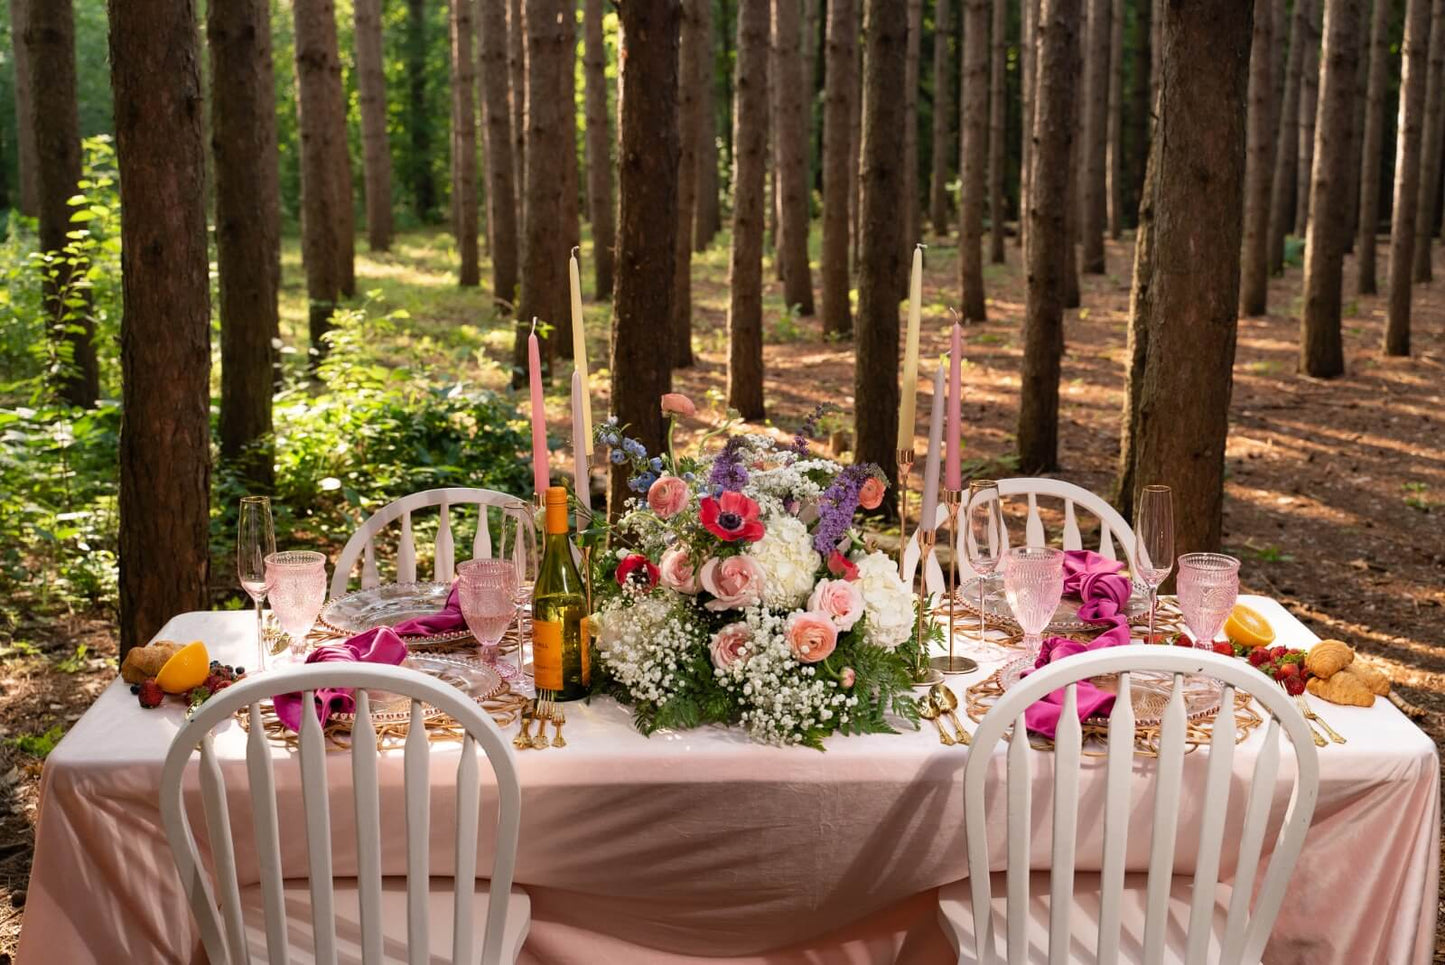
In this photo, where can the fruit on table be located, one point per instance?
(143, 663)
(188, 667)
(1245, 626)
(150, 693)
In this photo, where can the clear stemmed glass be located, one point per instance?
(984, 541)
(296, 585)
(1033, 582)
(255, 540)
(519, 546)
(1154, 544)
(487, 591)
(1208, 588)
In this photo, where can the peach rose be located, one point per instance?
(675, 403)
(668, 496)
(678, 573)
(811, 635)
(840, 600)
(847, 677)
(870, 494)
(730, 644)
(737, 582)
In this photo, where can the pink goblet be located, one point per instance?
(1033, 582)
(1208, 588)
(296, 587)
(487, 591)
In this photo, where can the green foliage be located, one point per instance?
(1417, 496)
(38, 745)
(1294, 252)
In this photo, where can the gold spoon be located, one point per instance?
(946, 702)
(928, 711)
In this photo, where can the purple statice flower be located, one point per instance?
(836, 508)
(809, 428)
(728, 472)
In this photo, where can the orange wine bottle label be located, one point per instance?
(547, 654)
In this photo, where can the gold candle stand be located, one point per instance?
(924, 673)
(951, 664)
(905, 467)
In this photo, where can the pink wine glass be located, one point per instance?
(1033, 582)
(296, 587)
(487, 591)
(1208, 589)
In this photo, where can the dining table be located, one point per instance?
(702, 844)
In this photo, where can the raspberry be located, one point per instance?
(1294, 686)
(1258, 658)
(1227, 649)
(150, 693)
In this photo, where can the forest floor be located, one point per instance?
(1335, 493)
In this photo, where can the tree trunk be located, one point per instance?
(418, 120)
(1408, 149)
(1115, 134)
(750, 145)
(875, 375)
(1028, 83)
(973, 157)
(693, 74)
(599, 150)
(54, 124)
(165, 354)
(997, 116)
(27, 156)
(325, 203)
(376, 152)
(839, 58)
(1308, 108)
(1156, 54)
(248, 229)
(708, 216)
(790, 132)
(938, 195)
(1357, 127)
(571, 173)
(464, 143)
(1258, 165)
(1140, 110)
(1072, 295)
(545, 248)
(911, 209)
(1185, 295)
(517, 65)
(497, 130)
(1371, 144)
(1322, 351)
(1093, 174)
(1048, 245)
(1431, 146)
(855, 178)
(1286, 155)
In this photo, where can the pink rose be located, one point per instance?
(847, 677)
(811, 635)
(737, 582)
(730, 644)
(668, 496)
(678, 573)
(675, 403)
(870, 494)
(839, 600)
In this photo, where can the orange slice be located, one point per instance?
(187, 669)
(1247, 628)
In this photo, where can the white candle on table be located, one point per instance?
(908, 401)
(579, 351)
(929, 521)
(580, 480)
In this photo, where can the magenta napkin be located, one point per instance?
(445, 620)
(1105, 592)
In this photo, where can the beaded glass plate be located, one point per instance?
(1065, 619)
(1150, 692)
(386, 606)
(473, 678)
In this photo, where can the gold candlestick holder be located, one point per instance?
(952, 664)
(924, 674)
(905, 467)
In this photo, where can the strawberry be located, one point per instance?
(1294, 686)
(1227, 649)
(150, 693)
(1288, 670)
(1183, 640)
(1276, 652)
(1258, 658)
(215, 682)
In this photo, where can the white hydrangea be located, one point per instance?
(887, 601)
(789, 562)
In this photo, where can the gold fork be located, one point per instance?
(558, 719)
(1308, 715)
(523, 740)
(545, 704)
(1314, 718)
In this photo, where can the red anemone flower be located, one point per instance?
(840, 565)
(638, 571)
(730, 517)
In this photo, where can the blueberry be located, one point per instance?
(240, 671)
(135, 688)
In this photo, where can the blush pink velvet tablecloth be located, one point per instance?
(688, 846)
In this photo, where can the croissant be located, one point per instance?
(1328, 657)
(1342, 688)
(143, 662)
(1378, 683)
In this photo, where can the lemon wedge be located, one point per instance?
(187, 668)
(1247, 628)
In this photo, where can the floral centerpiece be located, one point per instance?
(737, 591)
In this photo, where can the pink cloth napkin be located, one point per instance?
(1105, 592)
(377, 645)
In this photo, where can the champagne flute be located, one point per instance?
(487, 591)
(1154, 544)
(1208, 589)
(1033, 582)
(984, 540)
(519, 546)
(255, 540)
(296, 584)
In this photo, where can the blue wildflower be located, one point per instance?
(618, 457)
(655, 464)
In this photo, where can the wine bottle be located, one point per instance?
(559, 642)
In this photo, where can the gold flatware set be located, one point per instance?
(545, 709)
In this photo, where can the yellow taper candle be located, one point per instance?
(908, 402)
(579, 349)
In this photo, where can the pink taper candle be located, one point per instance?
(953, 466)
(540, 472)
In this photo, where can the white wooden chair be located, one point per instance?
(1158, 916)
(362, 544)
(1114, 533)
(282, 921)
